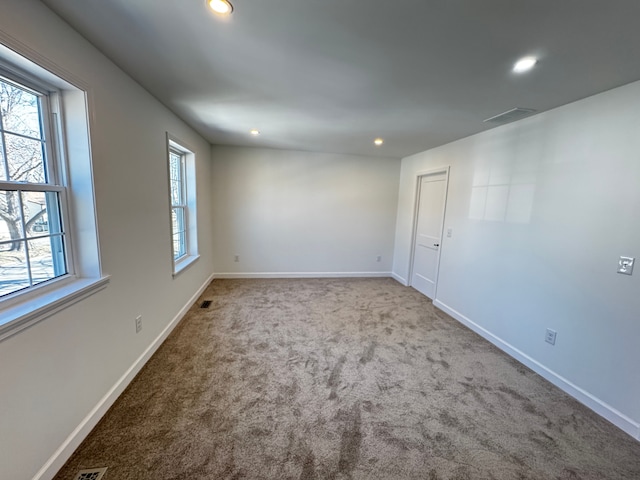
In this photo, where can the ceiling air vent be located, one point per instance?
(510, 115)
(91, 474)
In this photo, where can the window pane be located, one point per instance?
(177, 220)
(179, 245)
(176, 179)
(25, 159)
(42, 213)
(178, 230)
(44, 257)
(20, 110)
(175, 193)
(10, 218)
(13, 268)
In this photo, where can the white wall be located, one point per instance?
(541, 209)
(514, 267)
(291, 212)
(54, 373)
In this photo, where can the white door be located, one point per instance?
(432, 191)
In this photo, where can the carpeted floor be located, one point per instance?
(343, 379)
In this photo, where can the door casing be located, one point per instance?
(414, 228)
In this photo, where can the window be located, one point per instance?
(32, 224)
(178, 203)
(183, 204)
(46, 195)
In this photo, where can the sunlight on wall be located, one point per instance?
(503, 193)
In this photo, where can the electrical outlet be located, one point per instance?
(138, 323)
(550, 336)
(449, 232)
(236, 258)
(379, 258)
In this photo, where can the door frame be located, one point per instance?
(414, 225)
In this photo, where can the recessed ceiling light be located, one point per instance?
(254, 132)
(221, 7)
(378, 141)
(525, 64)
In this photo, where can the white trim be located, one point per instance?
(603, 409)
(182, 264)
(398, 278)
(178, 144)
(190, 207)
(303, 275)
(78, 208)
(37, 308)
(31, 187)
(73, 441)
(34, 56)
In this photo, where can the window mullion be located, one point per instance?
(31, 187)
(16, 134)
(46, 132)
(183, 180)
(183, 198)
(5, 162)
(24, 237)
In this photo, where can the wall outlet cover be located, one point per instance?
(550, 336)
(625, 265)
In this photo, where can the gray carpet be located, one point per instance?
(343, 379)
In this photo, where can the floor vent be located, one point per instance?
(205, 304)
(91, 474)
(510, 115)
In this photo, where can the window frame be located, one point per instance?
(176, 146)
(65, 130)
(181, 205)
(54, 170)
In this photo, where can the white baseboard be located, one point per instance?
(303, 275)
(73, 441)
(400, 279)
(601, 408)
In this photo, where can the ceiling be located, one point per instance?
(330, 76)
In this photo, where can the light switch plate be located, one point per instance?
(625, 265)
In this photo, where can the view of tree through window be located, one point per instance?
(178, 203)
(32, 236)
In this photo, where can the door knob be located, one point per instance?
(436, 244)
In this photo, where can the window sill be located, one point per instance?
(183, 263)
(25, 314)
